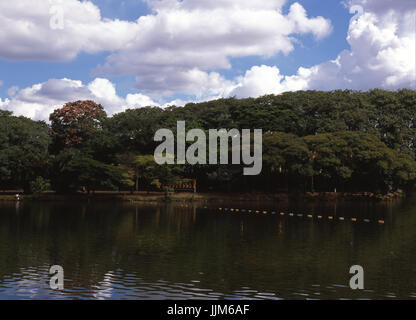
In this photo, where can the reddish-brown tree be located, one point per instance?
(76, 122)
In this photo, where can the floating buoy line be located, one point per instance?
(300, 215)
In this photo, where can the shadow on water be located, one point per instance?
(176, 251)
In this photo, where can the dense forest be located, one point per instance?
(312, 141)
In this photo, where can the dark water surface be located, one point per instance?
(177, 251)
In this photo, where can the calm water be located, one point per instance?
(178, 251)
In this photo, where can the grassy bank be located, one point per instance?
(203, 197)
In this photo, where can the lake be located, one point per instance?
(117, 250)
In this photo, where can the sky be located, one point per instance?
(137, 53)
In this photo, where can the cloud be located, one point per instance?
(178, 48)
(182, 44)
(319, 27)
(220, 29)
(381, 55)
(26, 29)
(41, 99)
(158, 5)
(139, 100)
(261, 80)
(192, 82)
(384, 6)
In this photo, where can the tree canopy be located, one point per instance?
(312, 141)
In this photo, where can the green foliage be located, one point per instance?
(133, 130)
(313, 140)
(23, 150)
(74, 170)
(39, 185)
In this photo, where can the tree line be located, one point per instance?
(312, 141)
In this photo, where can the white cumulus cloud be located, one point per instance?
(177, 48)
(182, 44)
(41, 99)
(261, 80)
(381, 55)
(27, 34)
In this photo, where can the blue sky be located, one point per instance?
(308, 52)
(157, 60)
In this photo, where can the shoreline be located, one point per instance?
(207, 197)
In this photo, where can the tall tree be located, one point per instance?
(24, 147)
(75, 123)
